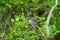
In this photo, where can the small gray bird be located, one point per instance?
(33, 21)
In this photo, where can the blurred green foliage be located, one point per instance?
(21, 29)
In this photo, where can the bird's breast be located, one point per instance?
(32, 22)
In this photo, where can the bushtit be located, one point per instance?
(33, 21)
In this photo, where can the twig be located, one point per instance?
(48, 18)
(4, 29)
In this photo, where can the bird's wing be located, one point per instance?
(35, 20)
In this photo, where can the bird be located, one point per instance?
(33, 21)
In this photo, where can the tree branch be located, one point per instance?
(48, 18)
